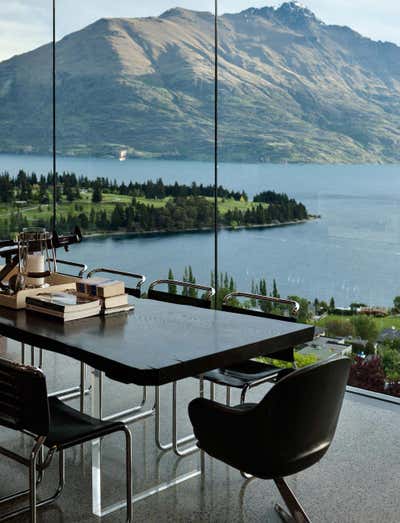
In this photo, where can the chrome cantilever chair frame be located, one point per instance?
(36, 469)
(132, 291)
(24, 390)
(129, 415)
(79, 391)
(279, 301)
(294, 310)
(177, 442)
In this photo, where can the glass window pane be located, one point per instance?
(25, 116)
(135, 129)
(309, 116)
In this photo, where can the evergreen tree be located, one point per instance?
(185, 278)
(58, 194)
(275, 292)
(171, 287)
(254, 290)
(332, 305)
(212, 279)
(265, 306)
(97, 195)
(191, 279)
(6, 189)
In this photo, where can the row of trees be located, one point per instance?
(227, 284)
(34, 188)
(379, 372)
(192, 212)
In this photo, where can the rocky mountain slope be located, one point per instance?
(291, 89)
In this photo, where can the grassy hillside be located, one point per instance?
(35, 212)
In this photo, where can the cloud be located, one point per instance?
(25, 25)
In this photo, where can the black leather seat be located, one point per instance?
(288, 431)
(25, 407)
(249, 374)
(68, 427)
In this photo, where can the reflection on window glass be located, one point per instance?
(309, 130)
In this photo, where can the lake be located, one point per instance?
(351, 253)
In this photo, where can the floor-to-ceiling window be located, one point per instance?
(308, 133)
(309, 129)
(135, 134)
(26, 125)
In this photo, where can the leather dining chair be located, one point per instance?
(252, 373)
(26, 407)
(204, 302)
(288, 431)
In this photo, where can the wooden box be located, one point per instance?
(58, 282)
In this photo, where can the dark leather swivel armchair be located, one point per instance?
(288, 431)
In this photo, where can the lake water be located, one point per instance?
(351, 253)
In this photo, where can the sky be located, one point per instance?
(27, 24)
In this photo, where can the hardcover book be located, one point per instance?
(63, 302)
(65, 316)
(100, 287)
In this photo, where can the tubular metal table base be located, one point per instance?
(96, 410)
(148, 492)
(176, 442)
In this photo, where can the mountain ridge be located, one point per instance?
(292, 89)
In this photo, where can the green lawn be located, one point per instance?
(382, 323)
(35, 211)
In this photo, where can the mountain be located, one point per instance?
(291, 89)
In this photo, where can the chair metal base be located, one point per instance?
(296, 512)
(33, 483)
(176, 443)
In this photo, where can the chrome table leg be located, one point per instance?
(175, 443)
(96, 409)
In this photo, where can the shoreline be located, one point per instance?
(202, 229)
(178, 159)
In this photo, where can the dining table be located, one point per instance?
(155, 344)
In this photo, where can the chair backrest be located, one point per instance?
(293, 307)
(132, 291)
(300, 413)
(81, 266)
(23, 398)
(204, 302)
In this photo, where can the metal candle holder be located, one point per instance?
(37, 257)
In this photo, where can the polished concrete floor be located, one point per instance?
(357, 481)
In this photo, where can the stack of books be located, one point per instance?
(111, 294)
(65, 306)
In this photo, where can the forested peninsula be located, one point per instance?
(106, 206)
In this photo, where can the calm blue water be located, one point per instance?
(352, 253)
